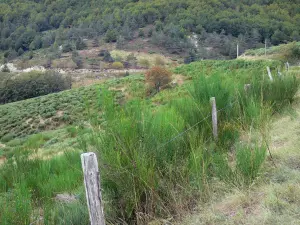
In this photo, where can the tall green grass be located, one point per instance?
(155, 161)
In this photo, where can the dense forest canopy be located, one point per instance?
(33, 24)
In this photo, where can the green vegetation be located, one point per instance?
(156, 160)
(30, 85)
(48, 112)
(31, 25)
(285, 52)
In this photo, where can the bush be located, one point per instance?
(117, 65)
(67, 48)
(31, 85)
(158, 77)
(107, 57)
(111, 36)
(159, 61)
(5, 69)
(144, 63)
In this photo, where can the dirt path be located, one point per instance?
(275, 198)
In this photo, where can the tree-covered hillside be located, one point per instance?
(26, 24)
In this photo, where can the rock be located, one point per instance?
(66, 198)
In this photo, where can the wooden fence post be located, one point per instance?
(287, 65)
(247, 88)
(92, 188)
(237, 51)
(214, 115)
(279, 73)
(269, 73)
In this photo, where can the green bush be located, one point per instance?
(5, 69)
(31, 85)
(117, 65)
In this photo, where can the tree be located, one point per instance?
(107, 57)
(111, 36)
(295, 36)
(20, 51)
(36, 43)
(157, 77)
(77, 59)
(5, 69)
(67, 47)
(278, 37)
(80, 44)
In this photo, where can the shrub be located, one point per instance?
(106, 56)
(111, 36)
(7, 137)
(5, 69)
(158, 77)
(20, 51)
(159, 61)
(31, 85)
(144, 63)
(141, 33)
(67, 47)
(117, 65)
(77, 59)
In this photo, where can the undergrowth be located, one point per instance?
(155, 161)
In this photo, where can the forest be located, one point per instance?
(27, 25)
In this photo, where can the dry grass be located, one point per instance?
(151, 58)
(275, 198)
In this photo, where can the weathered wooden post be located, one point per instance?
(214, 115)
(269, 73)
(287, 65)
(237, 50)
(92, 188)
(247, 88)
(279, 73)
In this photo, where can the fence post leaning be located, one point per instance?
(214, 115)
(92, 188)
(269, 73)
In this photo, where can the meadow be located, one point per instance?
(158, 158)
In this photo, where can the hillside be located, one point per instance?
(274, 198)
(166, 25)
(284, 52)
(150, 145)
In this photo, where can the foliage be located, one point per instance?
(32, 85)
(156, 160)
(117, 65)
(158, 77)
(58, 109)
(24, 25)
(5, 69)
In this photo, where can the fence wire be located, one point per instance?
(190, 128)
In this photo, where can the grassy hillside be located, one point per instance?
(157, 155)
(285, 52)
(49, 112)
(274, 198)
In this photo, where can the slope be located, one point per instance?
(275, 197)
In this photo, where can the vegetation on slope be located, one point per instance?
(30, 25)
(285, 52)
(155, 161)
(48, 112)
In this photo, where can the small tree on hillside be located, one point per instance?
(5, 69)
(158, 77)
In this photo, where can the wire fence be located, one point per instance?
(196, 124)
